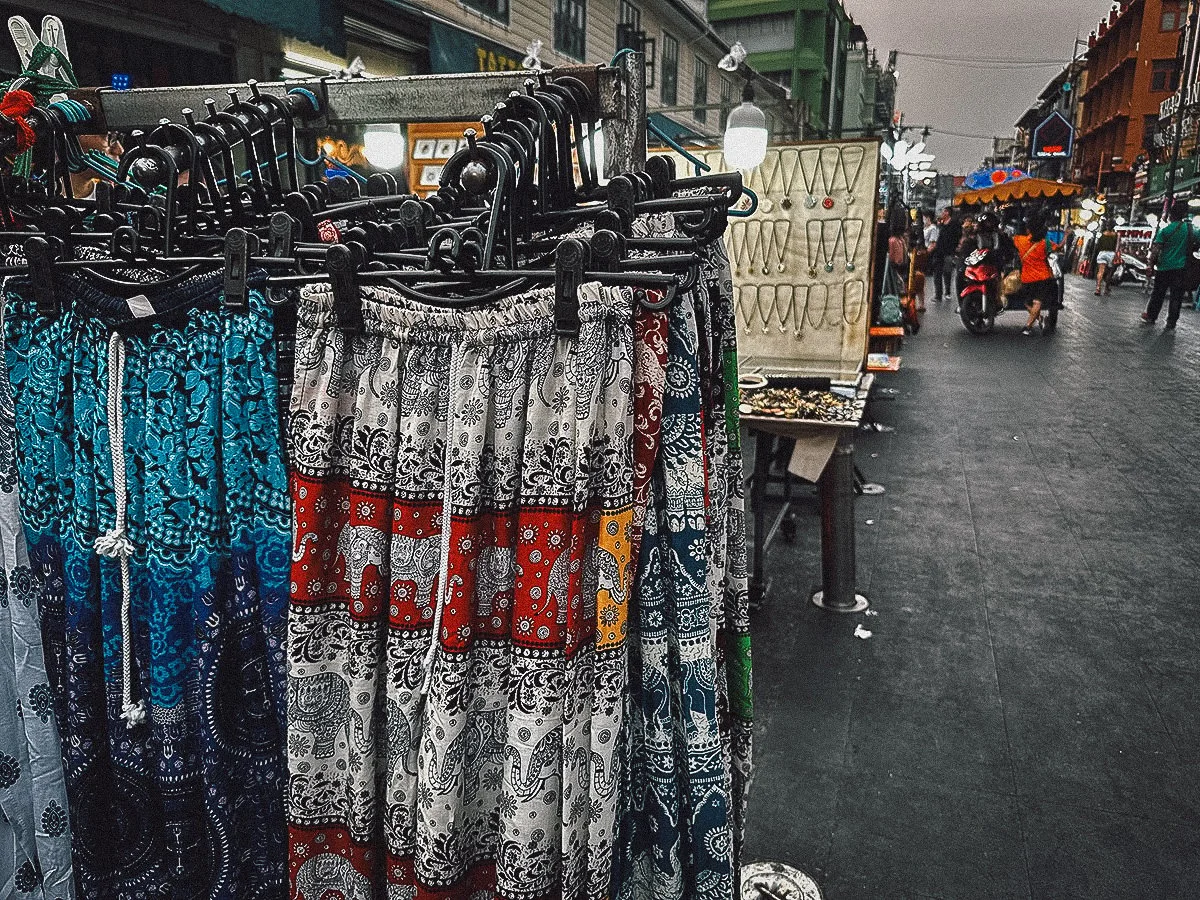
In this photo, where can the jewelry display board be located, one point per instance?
(802, 264)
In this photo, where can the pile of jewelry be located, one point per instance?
(797, 403)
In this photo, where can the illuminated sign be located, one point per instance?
(1054, 138)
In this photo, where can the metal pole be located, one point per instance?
(837, 534)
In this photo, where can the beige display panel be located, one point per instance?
(802, 263)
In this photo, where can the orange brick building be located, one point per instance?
(1131, 69)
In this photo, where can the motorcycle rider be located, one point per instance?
(987, 235)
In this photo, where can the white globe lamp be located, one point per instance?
(746, 134)
(384, 146)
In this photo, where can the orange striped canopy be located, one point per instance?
(1021, 189)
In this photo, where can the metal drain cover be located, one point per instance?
(775, 881)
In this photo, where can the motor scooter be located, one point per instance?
(980, 300)
(1128, 269)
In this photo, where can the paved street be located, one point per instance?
(1025, 720)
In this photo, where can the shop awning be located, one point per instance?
(675, 131)
(1021, 189)
(315, 21)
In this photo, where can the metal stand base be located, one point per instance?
(860, 603)
(776, 881)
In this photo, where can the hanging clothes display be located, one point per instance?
(689, 736)
(35, 838)
(154, 494)
(463, 492)
(390, 548)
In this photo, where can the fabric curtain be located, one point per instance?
(183, 408)
(462, 561)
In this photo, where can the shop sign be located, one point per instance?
(1054, 138)
(430, 146)
(452, 50)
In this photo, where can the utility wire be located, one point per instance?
(1000, 60)
(959, 134)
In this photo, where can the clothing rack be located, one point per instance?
(618, 89)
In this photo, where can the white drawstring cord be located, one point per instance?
(115, 544)
(447, 511)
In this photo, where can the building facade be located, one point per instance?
(1132, 67)
(870, 93)
(809, 47)
(1060, 96)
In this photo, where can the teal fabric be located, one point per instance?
(316, 21)
(188, 803)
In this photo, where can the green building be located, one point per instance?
(803, 45)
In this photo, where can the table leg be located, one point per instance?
(837, 534)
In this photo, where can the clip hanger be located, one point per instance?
(240, 245)
(41, 275)
(570, 262)
(347, 295)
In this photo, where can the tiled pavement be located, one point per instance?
(1025, 720)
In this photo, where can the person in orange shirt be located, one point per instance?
(1039, 288)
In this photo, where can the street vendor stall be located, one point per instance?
(1017, 190)
(802, 272)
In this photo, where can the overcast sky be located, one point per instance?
(972, 101)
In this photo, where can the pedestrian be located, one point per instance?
(1168, 259)
(918, 264)
(1106, 254)
(931, 231)
(945, 255)
(1039, 288)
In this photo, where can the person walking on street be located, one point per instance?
(945, 260)
(1039, 289)
(1106, 254)
(931, 231)
(1168, 259)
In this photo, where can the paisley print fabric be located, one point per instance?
(461, 569)
(35, 838)
(190, 802)
(688, 734)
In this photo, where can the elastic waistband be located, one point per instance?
(146, 304)
(388, 313)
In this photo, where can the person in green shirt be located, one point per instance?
(1168, 257)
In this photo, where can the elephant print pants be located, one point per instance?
(462, 484)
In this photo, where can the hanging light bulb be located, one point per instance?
(746, 134)
(384, 146)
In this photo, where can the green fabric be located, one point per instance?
(739, 672)
(1174, 240)
(733, 400)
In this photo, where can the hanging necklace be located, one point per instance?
(798, 317)
(817, 323)
(855, 228)
(747, 310)
(815, 227)
(860, 304)
(851, 181)
(830, 252)
(810, 184)
(828, 176)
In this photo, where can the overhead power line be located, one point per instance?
(987, 62)
(960, 134)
